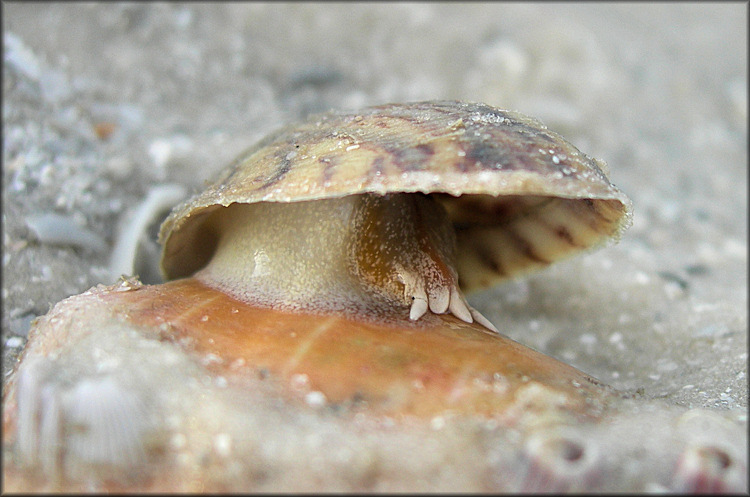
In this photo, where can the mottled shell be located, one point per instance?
(520, 196)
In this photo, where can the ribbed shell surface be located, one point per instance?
(519, 194)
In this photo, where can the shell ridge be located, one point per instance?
(440, 148)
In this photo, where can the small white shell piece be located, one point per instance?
(135, 223)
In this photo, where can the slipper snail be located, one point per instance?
(325, 267)
(393, 210)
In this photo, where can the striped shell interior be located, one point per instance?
(504, 237)
(520, 195)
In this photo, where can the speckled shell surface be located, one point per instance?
(520, 195)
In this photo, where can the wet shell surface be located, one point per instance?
(176, 387)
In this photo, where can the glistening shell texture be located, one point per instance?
(403, 369)
(519, 195)
(178, 387)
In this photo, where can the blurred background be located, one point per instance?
(103, 101)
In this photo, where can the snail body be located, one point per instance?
(335, 255)
(363, 254)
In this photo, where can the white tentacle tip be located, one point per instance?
(479, 318)
(440, 299)
(458, 306)
(418, 308)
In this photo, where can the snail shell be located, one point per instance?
(334, 252)
(516, 196)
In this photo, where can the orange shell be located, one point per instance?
(519, 195)
(404, 369)
(185, 363)
(437, 366)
